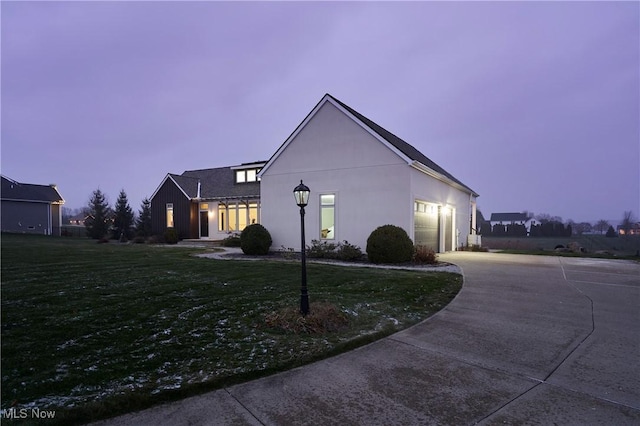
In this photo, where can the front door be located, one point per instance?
(204, 224)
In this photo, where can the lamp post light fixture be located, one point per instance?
(301, 194)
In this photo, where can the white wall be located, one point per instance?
(332, 154)
(373, 185)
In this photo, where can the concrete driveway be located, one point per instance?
(529, 340)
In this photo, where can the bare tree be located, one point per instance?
(602, 226)
(627, 222)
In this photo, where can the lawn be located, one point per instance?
(92, 330)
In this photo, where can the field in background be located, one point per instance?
(92, 330)
(619, 246)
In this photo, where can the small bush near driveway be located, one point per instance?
(389, 244)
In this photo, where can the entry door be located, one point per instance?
(204, 224)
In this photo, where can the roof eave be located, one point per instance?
(429, 171)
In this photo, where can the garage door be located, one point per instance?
(426, 225)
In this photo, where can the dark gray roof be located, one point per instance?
(401, 145)
(507, 217)
(218, 183)
(16, 191)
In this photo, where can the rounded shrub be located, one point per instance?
(255, 240)
(389, 244)
(171, 236)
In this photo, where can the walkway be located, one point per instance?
(529, 340)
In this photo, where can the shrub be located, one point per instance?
(232, 240)
(171, 236)
(348, 252)
(341, 251)
(389, 244)
(255, 240)
(321, 250)
(424, 254)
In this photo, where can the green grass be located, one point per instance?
(93, 330)
(599, 246)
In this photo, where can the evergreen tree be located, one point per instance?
(611, 233)
(143, 224)
(97, 223)
(123, 217)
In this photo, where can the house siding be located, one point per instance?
(374, 185)
(26, 217)
(333, 154)
(184, 211)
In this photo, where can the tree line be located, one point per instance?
(103, 222)
(554, 226)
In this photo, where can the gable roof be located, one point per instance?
(12, 190)
(508, 217)
(215, 184)
(405, 150)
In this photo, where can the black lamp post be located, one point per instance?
(301, 194)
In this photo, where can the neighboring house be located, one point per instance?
(512, 219)
(633, 230)
(78, 220)
(361, 176)
(208, 203)
(30, 208)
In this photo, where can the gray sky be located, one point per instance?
(533, 105)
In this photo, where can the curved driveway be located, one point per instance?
(529, 340)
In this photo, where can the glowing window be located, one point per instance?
(327, 216)
(169, 215)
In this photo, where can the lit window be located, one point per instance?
(327, 216)
(253, 213)
(169, 215)
(251, 175)
(241, 176)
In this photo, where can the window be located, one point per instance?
(253, 213)
(327, 216)
(169, 215)
(247, 175)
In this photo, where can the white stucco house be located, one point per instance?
(361, 176)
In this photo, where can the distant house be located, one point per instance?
(512, 219)
(208, 203)
(361, 176)
(30, 208)
(633, 230)
(78, 220)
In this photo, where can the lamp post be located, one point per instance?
(301, 194)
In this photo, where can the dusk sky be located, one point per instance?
(535, 106)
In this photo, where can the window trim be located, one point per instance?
(327, 206)
(169, 208)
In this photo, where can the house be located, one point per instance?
(30, 208)
(634, 229)
(512, 219)
(78, 220)
(208, 203)
(361, 176)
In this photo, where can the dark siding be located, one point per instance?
(182, 210)
(194, 232)
(25, 217)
